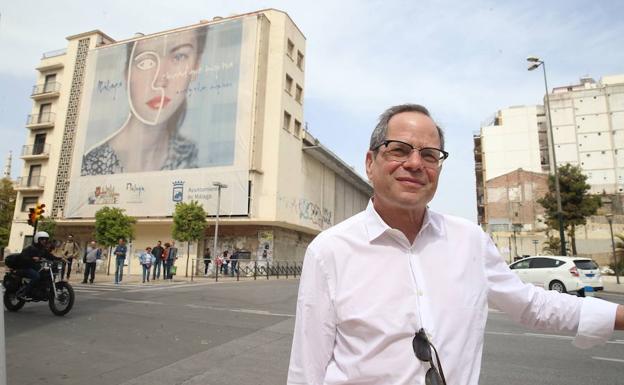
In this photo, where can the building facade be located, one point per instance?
(588, 130)
(147, 122)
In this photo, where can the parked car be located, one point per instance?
(562, 274)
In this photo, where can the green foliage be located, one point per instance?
(7, 207)
(112, 224)
(576, 202)
(552, 246)
(619, 252)
(189, 221)
(189, 224)
(48, 225)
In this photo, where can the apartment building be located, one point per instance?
(146, 122)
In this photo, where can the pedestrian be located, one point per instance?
(120, 257)
(206, 260)
(146, 259)
(70, 251)
(234, 262)
(91, 255)
(172, 255)
(357, 326)
(157, 252)
(225, 261)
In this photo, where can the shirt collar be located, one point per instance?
(375, 225)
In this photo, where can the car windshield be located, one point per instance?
(585, 264)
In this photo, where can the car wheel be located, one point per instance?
(557, 286)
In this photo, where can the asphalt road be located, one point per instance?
(240, 333)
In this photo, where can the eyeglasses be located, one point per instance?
(398, 151)
(422, 349)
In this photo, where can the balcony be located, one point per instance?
(39, 121)
(46, 91)
(30, 183)
(36, 151)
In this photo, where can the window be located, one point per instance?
(287, 119)
(298, 93)
(520, 265)
(44, 113)
(27, 203)
(542, 263)
(39, 144)
(290, 48)
(34, 175)
(297, 127)
(50, 83)
(289, 83)
(300, 60)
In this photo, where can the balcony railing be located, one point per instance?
(34, 182)
(36, 149)
(44, 118)
(46, 88)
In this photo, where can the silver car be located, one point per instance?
(562, 274)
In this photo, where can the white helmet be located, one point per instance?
(41, 234)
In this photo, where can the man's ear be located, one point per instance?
(370, 158)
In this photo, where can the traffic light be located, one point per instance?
(39, 210)
(31, 216)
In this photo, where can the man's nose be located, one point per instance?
(414, 161)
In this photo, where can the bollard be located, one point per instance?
(255, 269)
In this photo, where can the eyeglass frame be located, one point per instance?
(422, 352)
(444, 154)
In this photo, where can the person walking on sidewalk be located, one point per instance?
(234, 262)
(70, 251)
(146, 259)
(92, 254)
(120, 257)
(170, 256)
(157, 252)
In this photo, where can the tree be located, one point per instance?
(619, 252)
(552, 246)
(576, 202)
(48, 225)
(189, 224)
(7, 207)
(110, 225)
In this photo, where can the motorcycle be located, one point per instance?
(58, 294)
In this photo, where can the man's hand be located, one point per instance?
(36, 259)
(619, 318)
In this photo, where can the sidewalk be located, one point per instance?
(611, 286)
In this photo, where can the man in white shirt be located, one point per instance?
(383, 288)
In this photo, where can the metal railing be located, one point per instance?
(247, 269)
(46, 88)
(57, 52)
(43, 118)
(31, 181)
(36, 149)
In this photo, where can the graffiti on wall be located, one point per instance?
(308, 210)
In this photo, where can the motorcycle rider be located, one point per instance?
(29, 261)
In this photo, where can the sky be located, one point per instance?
(463, 60)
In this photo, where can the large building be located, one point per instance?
(511, 151)
(146, 122)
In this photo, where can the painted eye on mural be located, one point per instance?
(145, 64)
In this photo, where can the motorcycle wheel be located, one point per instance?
(64, 300)
(12, 303)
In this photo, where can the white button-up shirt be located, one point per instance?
(365, 291)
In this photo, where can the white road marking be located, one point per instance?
(248, 311)
(131, 301)
(608, 359)
(547, 336)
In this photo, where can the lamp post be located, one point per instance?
(615, 261)
(535, 62)
(219, 186)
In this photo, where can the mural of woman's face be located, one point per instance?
(159, 72)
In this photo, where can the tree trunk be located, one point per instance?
(110, 253)
(573, 238)
(188, 252)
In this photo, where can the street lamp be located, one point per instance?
(535, 62)
(535, 242)
(615, 261)
(219, 186)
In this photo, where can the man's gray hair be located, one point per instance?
(381, 130)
